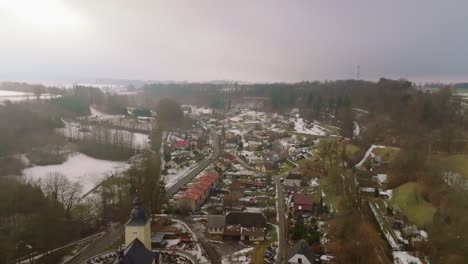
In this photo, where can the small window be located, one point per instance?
(299, 260)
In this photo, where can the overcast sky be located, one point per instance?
(69, 40)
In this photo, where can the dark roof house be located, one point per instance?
(246, 219)
(216, 221)
(301, 253)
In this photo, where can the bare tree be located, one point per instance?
(70, 195)
(54, 185)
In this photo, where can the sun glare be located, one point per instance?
(44, 14)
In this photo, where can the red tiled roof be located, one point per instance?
(191, 196)
(196, 191)
(201, 187)
(214, 177)
(302, 199)
(180, 144)
(205, 182)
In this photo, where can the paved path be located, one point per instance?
(28, 259)
(282, 242)
(99, 246)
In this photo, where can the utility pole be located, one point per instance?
(358, 74)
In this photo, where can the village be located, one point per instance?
(231, 207)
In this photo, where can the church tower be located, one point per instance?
(138, 226)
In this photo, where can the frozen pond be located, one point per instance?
(79, 168)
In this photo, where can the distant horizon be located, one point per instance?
(125, 82)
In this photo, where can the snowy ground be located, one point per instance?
(174, 175)
(304, 127)
(142, 123)
(13, 96)
(357, 129)
(79, 168)
(368, 152)
(199, 253)
(403, 257)
(239, 257)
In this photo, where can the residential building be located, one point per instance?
(302, 202)
(216, 225)
(293, 179)
(245, 226)
(301, 253)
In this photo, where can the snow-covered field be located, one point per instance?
(79, 168)
(13, 96)
(403, 257)
(12, 93)
(303, 127)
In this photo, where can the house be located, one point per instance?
(171, 165)
(272, 166)
(376, 161)
(158, 241)
(301, 253)
(189, 201)
(196, 194)
(181, 161)
(216, 225)
(381, 179)
(252, 125)
(163, 227)
(253, 145)
(243, 174)
(246, 226)
(180, 144)
(302, 202)
(260, 166)
(291, 189)
(293, 179)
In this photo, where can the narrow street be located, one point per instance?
(100, 245)
(280, 210)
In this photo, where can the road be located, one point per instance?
(99, 246)
(32, 257)
(281, 214)
(193, 173)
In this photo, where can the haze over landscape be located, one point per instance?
(233, 132)
(254, 41)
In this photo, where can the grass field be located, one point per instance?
(457, 163)
(387, 154)
(351, 149)
(408, 197)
